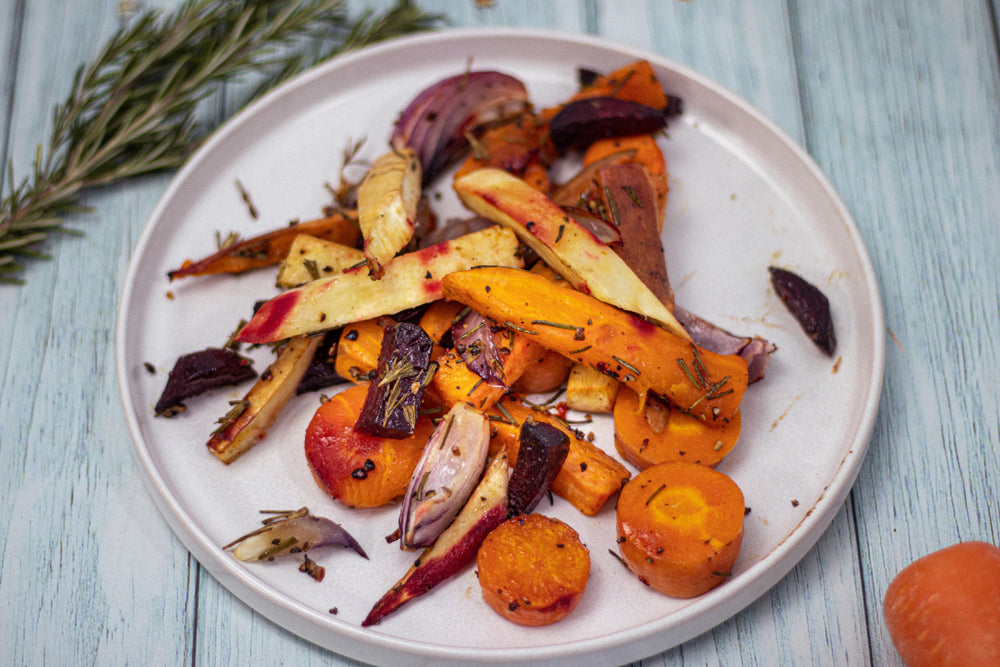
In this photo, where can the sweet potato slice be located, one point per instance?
(635, 81)
(270, 248)
(533, 569)
(629, 202)
(655, 433)
(644, 147)
(646, 357)
(680, 527)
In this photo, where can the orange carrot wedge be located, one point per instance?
(638, 353)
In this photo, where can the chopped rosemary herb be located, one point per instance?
(511, 325)
(627, 365)
(634, 196)
(557, 325)
(655, 493)
(612, 207)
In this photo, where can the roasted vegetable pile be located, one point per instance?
(439, 334)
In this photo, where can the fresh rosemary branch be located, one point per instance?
(132, 110)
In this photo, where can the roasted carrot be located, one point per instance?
(454, 382)
(439, 317)
(635, 81)
(546, 373)
(645, 151)
(640, 354)
(359, 347)
(680, 526)
(533, 569)
(655, 432)
(270, 248)
(358, 469)
(589, 477)
(514, 146)
(943, 609)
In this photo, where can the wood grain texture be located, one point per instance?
(913, 146)
(896, 101)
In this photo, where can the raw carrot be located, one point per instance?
(944, 609)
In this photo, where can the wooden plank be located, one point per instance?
(91, 573)
(901, 101)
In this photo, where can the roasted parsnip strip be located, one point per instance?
(387, 206)
(250, 419)
(410, 280)
(574, 252)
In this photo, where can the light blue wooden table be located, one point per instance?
(896, 100)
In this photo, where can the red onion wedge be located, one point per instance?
(435, 122)
(443, 480)
(475, 341)
(755, 350)
(291, 533)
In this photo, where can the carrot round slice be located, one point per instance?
(358, 469)
(533, 569)
(657, 433)
(680, 526)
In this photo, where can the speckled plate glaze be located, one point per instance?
(743, 196)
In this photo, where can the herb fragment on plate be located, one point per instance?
(131, 111)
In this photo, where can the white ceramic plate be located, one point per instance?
(743, 196)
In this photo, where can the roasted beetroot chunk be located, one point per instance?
(580, 123)
(808, 305)
(540, 456)
(198, 372)
(395, 395)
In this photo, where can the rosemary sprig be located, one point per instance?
(132, 110)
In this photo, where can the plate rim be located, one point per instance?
(643, 640)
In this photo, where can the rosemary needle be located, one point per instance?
(131, 111)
